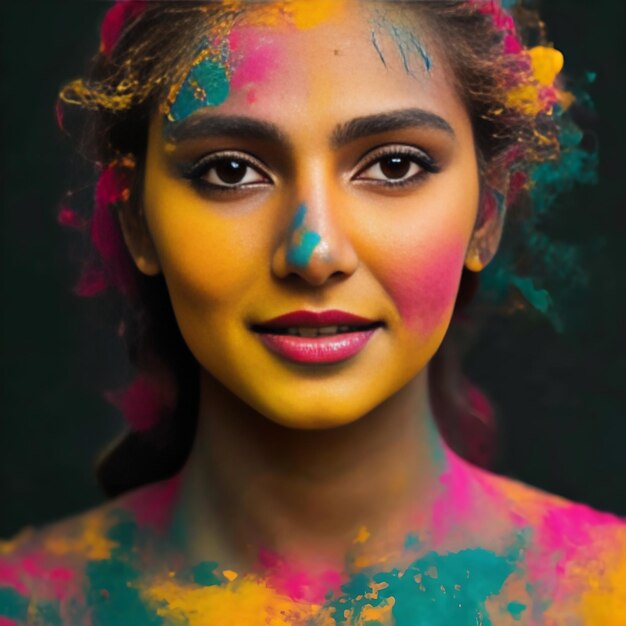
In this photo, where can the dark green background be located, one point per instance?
(561, 399)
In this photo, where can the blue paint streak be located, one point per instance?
(299, 254)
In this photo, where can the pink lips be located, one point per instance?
(321, 349)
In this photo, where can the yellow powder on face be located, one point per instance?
(89, 540)
(246, 603)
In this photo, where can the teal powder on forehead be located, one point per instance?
(13, 605)
(302, 242)
(206, 85)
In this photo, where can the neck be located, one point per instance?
(251, 485)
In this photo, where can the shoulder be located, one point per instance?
(575, 556)
(48, 574)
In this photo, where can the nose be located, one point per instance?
(314, 247)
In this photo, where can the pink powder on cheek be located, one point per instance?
(424, 287)
(257, 59)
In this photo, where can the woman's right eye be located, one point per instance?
(227, 172)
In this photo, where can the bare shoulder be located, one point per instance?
(574, 554)
(48, 571)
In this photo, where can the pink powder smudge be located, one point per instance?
(256, 60)
(153, 507)
(92, 281)
(454, 505)
(11, 576)
(144, 401)
(59, 579)
(425, 288)
(116, 18)
(68, 217)
(112, 188)
(5, 621)
(296, 583)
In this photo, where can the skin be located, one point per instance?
(294, 441)
(305, 479)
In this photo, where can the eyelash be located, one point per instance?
(426, 163)
(198, 170)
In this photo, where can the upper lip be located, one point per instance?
(313, 319)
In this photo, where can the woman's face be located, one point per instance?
(341, 176)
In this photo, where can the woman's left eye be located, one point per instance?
(396, 168)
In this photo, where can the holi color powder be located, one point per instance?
(405, 40)
(302, 241)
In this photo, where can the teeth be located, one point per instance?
(315, 332)
(344, 329)
(328, 330)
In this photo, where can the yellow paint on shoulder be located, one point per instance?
(12, 545)
(88, 539)
(380, 614)
(248, 602)
(230, 575)
(605, 600)
(547, 64)
(362, 535)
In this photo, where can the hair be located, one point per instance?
(516, 108)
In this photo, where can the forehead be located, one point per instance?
(345, 58)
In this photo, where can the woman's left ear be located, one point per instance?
(489, 223)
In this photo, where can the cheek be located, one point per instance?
(424, 283)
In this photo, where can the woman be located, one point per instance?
(290, 195)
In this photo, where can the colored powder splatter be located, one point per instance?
(248, 601)
(206, 85)
(516, 609)
(437, 589)
(306, 14)
(257, 60)
(406, 41)
(116, 18)
(144, 401)
(112, 595)
(13, 605)
(302, 241)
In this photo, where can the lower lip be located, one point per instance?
(324, 349)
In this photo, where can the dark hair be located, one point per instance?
(144, 51)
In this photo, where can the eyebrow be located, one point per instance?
(225, 125)
(386, 122)
(252, 128)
